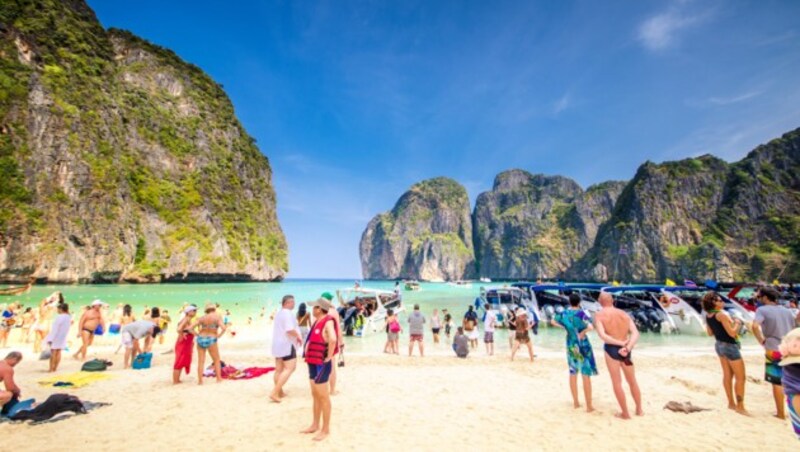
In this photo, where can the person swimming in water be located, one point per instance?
(209, 329)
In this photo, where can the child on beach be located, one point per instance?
(580, 358)
(448, 323)
(393, 329)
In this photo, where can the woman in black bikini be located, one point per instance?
(720, 325)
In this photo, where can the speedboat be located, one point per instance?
(461, 284)
(411, 285)
(506, 299)
(642, 305)
(485, 280)
(552, 299)
(363, 310)
(693, 296)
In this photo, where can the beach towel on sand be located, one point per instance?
(78, 379)
(232, 373)
(57, 407)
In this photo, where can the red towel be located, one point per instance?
(184, 347)
(232, 373)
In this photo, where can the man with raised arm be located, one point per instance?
(619, 335)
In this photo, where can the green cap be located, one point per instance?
(327, 296)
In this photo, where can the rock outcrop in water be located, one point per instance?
(531, 226)
(696, 218)
(427, 235)
(122, 162)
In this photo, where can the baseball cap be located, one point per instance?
(327, 295)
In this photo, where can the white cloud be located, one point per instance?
(660, 31)
(721, 101)
(562, 104)
(733, 99)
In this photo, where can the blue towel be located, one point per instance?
(24, 405)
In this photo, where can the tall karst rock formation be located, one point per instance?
(531, 226)
(427, 235)
(696, 218)
(122, 162)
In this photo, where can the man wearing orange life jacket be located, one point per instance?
(319, 350)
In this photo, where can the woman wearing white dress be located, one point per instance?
(57, 338)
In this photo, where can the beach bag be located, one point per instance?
(394, 327)
(95, 365)
(142, 361)
(46, 353)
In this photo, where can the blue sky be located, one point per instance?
(353, 102)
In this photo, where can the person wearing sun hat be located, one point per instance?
(87, 326)
(339, 340)
(790, 350)
(319, 357)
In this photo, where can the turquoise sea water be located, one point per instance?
(248, 299)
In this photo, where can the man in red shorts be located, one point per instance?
(416, 326)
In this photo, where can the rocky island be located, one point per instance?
(695, 218)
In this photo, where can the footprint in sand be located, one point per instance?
(755, 380)
(693, 386)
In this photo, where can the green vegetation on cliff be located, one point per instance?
(150, 157)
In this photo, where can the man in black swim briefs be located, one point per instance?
(619, 334)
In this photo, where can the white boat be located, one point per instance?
(363, 310)
(485, 280)
(461, 284)
(505, 299)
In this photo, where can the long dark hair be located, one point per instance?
(301, 311)
(127, 310)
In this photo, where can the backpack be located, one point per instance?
(394, 327)
(95, 365)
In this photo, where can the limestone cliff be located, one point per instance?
(702, 218)
(427, 235)
(121, 161)
(531, 226)
(660, 214)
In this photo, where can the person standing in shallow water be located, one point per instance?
(620, 335)
(725, 330)
(580, 357)
(436, 326)
(416, 329)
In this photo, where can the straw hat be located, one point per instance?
(790, 348)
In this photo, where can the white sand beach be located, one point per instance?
(394, 402)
